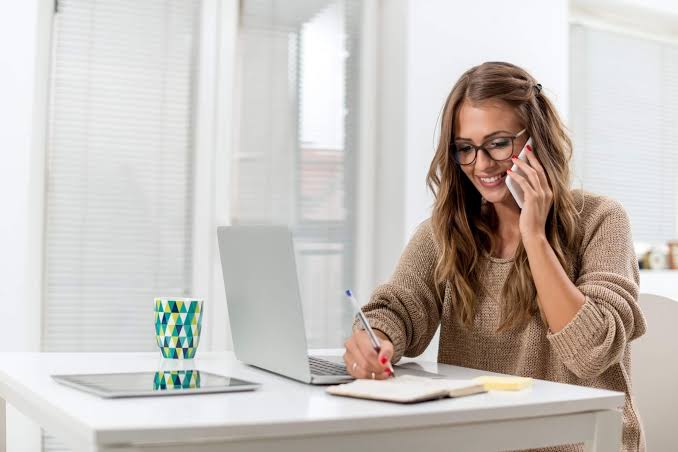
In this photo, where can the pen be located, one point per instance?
(366, 325)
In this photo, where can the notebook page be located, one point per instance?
(406, 388)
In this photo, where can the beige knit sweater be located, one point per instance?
(592, 350)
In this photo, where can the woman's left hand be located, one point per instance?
(538, 197)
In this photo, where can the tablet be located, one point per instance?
(160, 383)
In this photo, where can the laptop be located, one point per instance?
(264, 304)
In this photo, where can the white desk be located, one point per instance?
(284, 415)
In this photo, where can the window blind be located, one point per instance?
(624, 96)
(119, 171)
(295, 161)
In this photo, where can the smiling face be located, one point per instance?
(478, 124)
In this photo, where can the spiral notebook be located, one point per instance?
(407, 389)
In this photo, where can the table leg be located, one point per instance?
(608, 433)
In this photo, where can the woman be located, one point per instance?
(548, 292)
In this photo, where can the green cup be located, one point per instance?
(178, 322)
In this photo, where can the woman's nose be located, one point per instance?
(483, 160)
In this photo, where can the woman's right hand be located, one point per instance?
(362, 360)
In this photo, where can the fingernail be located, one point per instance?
(514, 157)
(388, 372)
(529, 148)
(509, 170)
(383, 360)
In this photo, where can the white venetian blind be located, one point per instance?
(295, 162)
(119, 179)
(625, 125)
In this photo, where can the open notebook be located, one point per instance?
(407, 389)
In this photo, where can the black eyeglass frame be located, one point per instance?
(453, 148)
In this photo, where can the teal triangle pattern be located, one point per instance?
(177, 327)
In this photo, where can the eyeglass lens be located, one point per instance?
(500, 148)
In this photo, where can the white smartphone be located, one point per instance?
(513, 187)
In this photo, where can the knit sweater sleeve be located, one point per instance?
(597, 336)
(407, 307)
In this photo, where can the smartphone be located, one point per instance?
(513, 187)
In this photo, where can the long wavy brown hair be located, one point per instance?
(465, 226)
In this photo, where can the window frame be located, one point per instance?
(227, 108)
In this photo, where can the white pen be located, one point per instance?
(366, 325)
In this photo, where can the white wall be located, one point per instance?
(18, 48)
(24, 40)
(657, 6)
(446, 40)
(425, 47)
(669, 7)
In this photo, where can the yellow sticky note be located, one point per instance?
(504, 383)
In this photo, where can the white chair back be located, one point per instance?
(654, 372)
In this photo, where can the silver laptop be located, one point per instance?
(264, 305)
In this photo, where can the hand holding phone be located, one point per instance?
(513, 187)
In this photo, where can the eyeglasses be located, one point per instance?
(498, 148)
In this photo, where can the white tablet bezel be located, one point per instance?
(67, 380)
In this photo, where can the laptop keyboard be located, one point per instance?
(323, 367)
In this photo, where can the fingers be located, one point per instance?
(361, 359)
(534, 163)
(534, 184)
(381, 356)
(357, 370)
(366, 348)
(386, 352)
(529, 172)
(356, 364)
(523, 183)
(386, 355)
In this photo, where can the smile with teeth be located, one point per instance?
(492, 181)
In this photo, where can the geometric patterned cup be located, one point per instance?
(178, 322)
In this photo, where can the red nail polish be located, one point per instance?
(514, 157)
(388, 372)
(529, 148)
(383, 360)
(509, 170)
